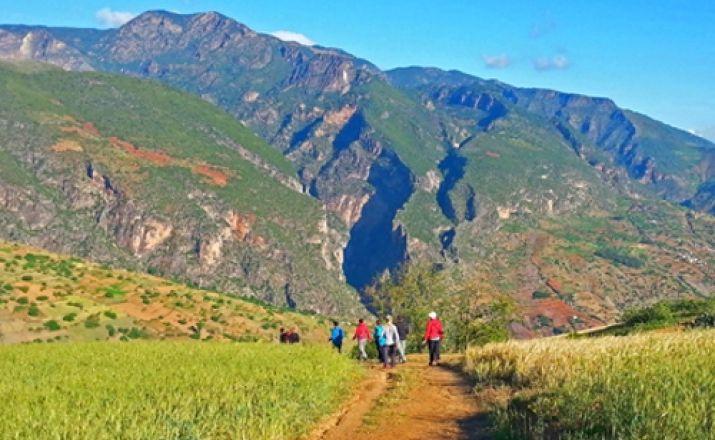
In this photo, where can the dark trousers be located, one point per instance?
(388, 354)
(433, 351)
(379, 352)
(338, 345)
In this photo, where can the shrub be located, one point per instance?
(619, 256)
(23, 300)
(111, 331)
(26, 278)
(33, 311)
(540, 294)
(51, 325)
(69, 317)
(110, 314)
(657, 313)
(136, 333)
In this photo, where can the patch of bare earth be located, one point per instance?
(216, 176)
(439, 405)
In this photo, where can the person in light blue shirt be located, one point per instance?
(336, 336)
(379, 337)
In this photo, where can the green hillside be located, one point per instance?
(137, 175)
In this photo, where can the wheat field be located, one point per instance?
(647, 386)
(168, 390)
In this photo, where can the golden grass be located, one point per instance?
(648, 386)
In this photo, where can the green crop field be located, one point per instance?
(649, 386)
(168, 390)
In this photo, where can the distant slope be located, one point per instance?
(132, 173)
(48, 297)
(632, 146)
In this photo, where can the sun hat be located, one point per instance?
(432, 315)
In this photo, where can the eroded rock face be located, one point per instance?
(348, 208)
(40, 45)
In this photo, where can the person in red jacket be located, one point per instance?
(433, 336)
(362, 334)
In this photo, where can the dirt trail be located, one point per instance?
(438, 405)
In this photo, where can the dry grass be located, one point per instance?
(637, 387)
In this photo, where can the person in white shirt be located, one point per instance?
(392, 338)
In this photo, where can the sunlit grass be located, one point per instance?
(636, 387)
(168, 390)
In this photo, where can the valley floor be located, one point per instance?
(412, 401)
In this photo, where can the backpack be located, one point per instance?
(380, 336)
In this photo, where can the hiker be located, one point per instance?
(433, 336)
(403, 330)
(362, 335)
(379, 335)
(293, 336)
(336, 336)
(392, 339)
(283, 337)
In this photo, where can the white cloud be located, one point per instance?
(500, 61)
(111, 18)
(293, 36)
(557, 62)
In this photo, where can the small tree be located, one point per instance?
(471, 310)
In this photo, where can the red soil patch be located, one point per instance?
(217, 176)
(493, 154)
(554, 284)
(558, 311)
(156, 157)
(90, 128)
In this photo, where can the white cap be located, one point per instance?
(432, 315)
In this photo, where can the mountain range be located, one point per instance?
(300, 174)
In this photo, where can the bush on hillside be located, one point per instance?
(619, 256)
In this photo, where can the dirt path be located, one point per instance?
(437, 404)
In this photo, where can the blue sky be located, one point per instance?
(656, 57)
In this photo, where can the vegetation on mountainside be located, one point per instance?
(49, 298)
(633, 387)
(102, 157)
(661, 315)
(472, 313)
(169, 390)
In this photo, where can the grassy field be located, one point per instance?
(46, 297)
(648, 386)
(169, 390)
